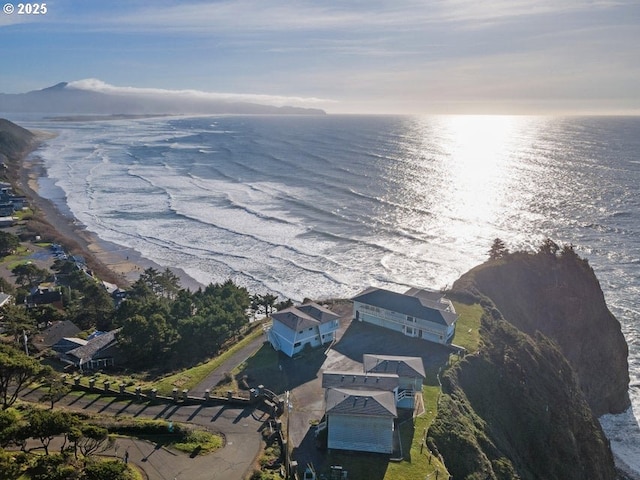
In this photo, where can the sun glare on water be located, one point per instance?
(475, 161)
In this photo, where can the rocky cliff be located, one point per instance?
(555, 292)
(552, 358)
(514, 410)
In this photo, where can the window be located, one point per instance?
(296, 345)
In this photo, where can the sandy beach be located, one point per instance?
(112, 263)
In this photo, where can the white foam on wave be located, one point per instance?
(623, 431)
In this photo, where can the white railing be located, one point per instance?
(406, 393)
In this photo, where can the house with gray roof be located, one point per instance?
(99, 351)
(418, 313)
(54, 333)
(297, 327)
(360, 420)
(361, 407)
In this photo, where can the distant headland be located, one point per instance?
(69, 99)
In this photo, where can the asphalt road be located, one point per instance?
(239, 426)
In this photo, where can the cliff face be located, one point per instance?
(514, 411)
(14, 140)
(559, 295)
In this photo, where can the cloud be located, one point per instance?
(239, 16)
(96, 85)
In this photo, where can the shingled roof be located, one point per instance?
(356, 380)
(414, 305)
(54, 333)
(86, 352)
(304, 316)
(411, 367)
(375, 403)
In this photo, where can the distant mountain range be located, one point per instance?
(67, 99)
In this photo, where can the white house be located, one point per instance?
(416, 313)
(360, 420)
(298, 327)
(361, 407)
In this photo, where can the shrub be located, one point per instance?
(107, 470)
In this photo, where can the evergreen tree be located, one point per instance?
(17, 371)
(498, 249)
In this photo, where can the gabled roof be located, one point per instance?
(410, 305)
(304, 316)
(375, 403)
(320, 313)
(54, 333)
(430, 298)
(86, 352)
(411, 367)
(356, 380)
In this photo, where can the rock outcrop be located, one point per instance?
(552, 358)
(555, 292)
(514, 410)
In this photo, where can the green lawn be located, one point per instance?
(468, 326)
(416, 465)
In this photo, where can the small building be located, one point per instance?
(360, 420)
(298, 327)
(100, 351)
(418, 313)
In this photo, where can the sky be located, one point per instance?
(345, 56)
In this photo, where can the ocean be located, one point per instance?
(324, 206)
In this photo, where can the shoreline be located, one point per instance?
(111, 262)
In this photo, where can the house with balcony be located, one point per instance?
(418, 313)
(361, 408)
(409, 370)
(298, 327)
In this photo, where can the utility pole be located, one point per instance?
(287, 460)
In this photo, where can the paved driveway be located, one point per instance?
(239, 426)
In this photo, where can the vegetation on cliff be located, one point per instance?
(14, 140)
(551, 359)
(513, 410)
(555, 292)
